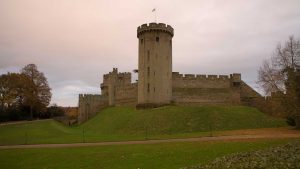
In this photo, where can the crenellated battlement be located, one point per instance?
(115, 77)
(89, 96)
(155, 27)
(235, 77)
(177, 75)
(115, 72)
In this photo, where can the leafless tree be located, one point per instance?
(281, 73)
(275, 73)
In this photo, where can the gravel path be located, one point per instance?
(218, 138)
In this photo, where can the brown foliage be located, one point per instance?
(38, 93)
(12, 89)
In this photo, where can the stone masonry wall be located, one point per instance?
(206, 89)
(187, 89)
(89, 105)
(249, 97)
(126, 94)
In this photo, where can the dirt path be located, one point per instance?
(22, 122)
(218, 138)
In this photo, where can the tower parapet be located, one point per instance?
(152, 27)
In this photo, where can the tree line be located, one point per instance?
(24, 95)
(281, 74)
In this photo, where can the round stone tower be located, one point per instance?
(155, 64)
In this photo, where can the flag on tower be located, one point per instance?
(154, 9)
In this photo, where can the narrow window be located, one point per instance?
(148, 71)
(142, 41)
(148, 55)
(154, 89)
(157, 39)
(148, 88)
(154, 73)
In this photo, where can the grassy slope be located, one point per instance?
(48, 131)
(162, 156)
(179, 119)
(126, 123)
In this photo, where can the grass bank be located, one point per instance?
(127, 123)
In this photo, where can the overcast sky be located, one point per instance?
(75, 42)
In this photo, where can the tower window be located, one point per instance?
(142, 40)
(157, 39)
(154, 89)
(154, 73)
(148, 71)
(148, 90)
(148, 55)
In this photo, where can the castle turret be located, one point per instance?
(155, 64)
(111, 81)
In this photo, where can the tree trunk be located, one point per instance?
(297, 120)
(31, 113)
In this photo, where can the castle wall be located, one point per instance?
(200, 81)
(112, 81)
(126, 94)
(206, 89)
(89, 105)
(249, 97)
(158, 85)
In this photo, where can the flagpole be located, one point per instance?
(155, 15)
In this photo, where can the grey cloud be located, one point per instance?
(75, 42)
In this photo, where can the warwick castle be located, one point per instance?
(158, 85)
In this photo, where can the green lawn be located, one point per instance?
(127, 123)
(155, 156)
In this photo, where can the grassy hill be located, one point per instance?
(127, 123)
(179, 119)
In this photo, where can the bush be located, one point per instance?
(54, 111)
(290, 120)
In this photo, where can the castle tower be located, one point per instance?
(155, 64)
(111, 82)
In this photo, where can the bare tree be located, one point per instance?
(269, 78)
(281, 73)
(274, 74)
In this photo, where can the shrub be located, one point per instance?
(290, 120)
